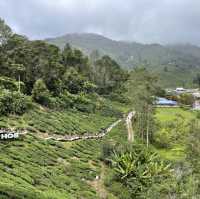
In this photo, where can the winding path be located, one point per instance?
(70, 138)
(129, 126)
(84, 137)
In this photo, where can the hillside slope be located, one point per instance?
(33, 167)
(177, 65)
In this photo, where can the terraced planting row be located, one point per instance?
(61, 123)
(31, 164)
(34, 168)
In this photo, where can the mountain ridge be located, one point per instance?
(177, 61)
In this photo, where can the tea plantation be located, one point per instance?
(34, 168)
(54, 122)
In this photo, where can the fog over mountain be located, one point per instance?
(165, 22)
(175, 64)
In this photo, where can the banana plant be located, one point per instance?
(141, 166)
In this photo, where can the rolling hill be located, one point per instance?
(176, 65)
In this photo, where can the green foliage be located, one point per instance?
(65, 82)
(108, 75)
(193, 147)
(119, 96)
(198, 115)
(75, 83)
(196, 79)
(187, 183)
(186, 99)
(170, 138)
(40, 93)
(68, 122)
(142, 87)
(75, 58)
(13, 102)
(110, 111)
(164, 138)
(176, 65)
(89, 87)
(35, 169)
(83, 104)
(10, 84)
(48, 72)
(138, 168)
(107, 149)
(172, 131)
(170, 114)
(5, 32)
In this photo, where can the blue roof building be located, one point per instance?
(165, 102)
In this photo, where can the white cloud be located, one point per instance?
(163, 21)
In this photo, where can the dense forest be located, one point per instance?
(49, 92)
(52, 77)
(176, 65)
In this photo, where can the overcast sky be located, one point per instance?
(147, 21)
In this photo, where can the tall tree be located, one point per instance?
(196, 80)
(76, 59)
(108, 75)
(142, 87)
(5, 32)
(94, 56)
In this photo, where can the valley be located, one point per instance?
(104, 126)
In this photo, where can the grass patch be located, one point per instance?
(170, 114)
(175, 123)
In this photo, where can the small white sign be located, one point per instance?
(5, 136)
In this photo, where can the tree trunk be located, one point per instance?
(19, 86)
(147, 136)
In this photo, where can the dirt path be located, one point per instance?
(68, 138)
(98, 184)
(129, 126)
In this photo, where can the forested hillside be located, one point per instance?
(176, 65)
(55, 78)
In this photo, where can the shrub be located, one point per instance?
(164, 138)
(88, 108)
(198, 115)
(68, 100)
(119, 97)
(186, 99)
(61, 102)
(54, 103)
(74, 81)
(8, 83)
(107, 151)
(40, 93)
(109, 111)
(13, 102)
(84, 104)
(89, 87)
